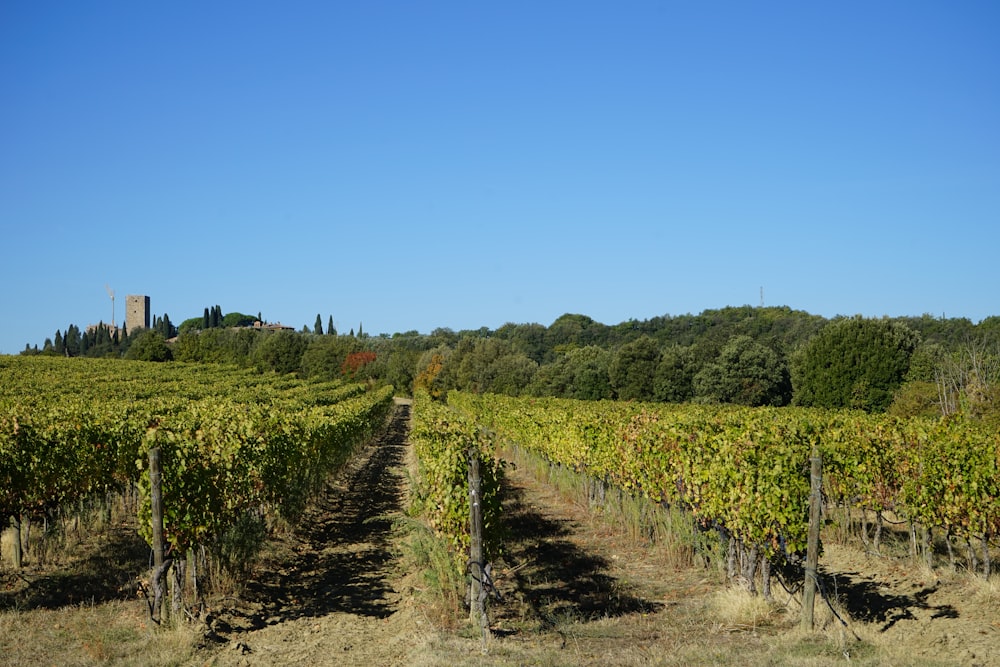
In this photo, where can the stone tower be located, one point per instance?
(136, 313)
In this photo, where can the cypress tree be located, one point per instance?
(72, 340)
(318, 327)
(206, 320)
(329, 327)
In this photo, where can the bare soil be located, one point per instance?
(574, 590)
(329, 593)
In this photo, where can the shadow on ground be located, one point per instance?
(561, 581)
(868, 600)
(339, 557)
(107, 572)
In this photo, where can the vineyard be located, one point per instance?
(744, 471)
(243, 456)
(238, 450)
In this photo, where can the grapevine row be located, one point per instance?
(746, 470)
(443, 441)
(231, 442)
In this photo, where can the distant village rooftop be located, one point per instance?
(276, 326)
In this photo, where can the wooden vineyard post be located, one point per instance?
(15, 541)
(158, 609)
(478, 591)
(812, 546)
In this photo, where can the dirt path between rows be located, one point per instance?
(575, 590)
(328, 594)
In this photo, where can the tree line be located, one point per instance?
(741, 355)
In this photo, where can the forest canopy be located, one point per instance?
(741, 355)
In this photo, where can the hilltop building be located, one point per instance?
(136, 313)
(277, 326)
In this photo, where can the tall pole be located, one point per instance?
(476, 540)
(156, 501)
(812, 545)
(478, 590)
(111, 293)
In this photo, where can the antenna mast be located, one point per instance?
(111, 293)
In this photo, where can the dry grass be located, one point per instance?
(735, 607)
(116, 633)
(436, 582)
(985, 593)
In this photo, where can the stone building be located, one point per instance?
(136, 313)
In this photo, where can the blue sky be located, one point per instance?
(465, 164)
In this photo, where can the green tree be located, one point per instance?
(853, 363)
(510, 374)
(483, 365)
(674, 378)
(576, 331)
(187, 348)
(318, 327)
(552, 379)
(395, 363)
(589, 368)
(746, 373)
(190, 325)
(633, 368)
(281, 352)
(528, 339)
(916, 398)
(220, 345)
(324, 357)
(329, 327)
(72, 341)
(206, 320)
(149, 345)
(236, 319)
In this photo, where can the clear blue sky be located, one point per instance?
(414, 165)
